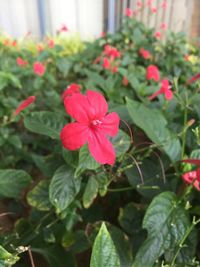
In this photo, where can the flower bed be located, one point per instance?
(67, 164)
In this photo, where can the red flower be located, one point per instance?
(114, 69)
(152, 72)
(165, 89)
(21, 62)
(111, 51)
(72, 89)
(128, 12)
(186, 57)
(192, 177)
(157, 34)
(144, 53)
(24, 104)
(194, 78)
(39, 68)
(92, 126)
(125, 81)
(106, 63)
(103, 34)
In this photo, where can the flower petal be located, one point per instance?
(77, 106)
(74, 135)
(101, 148)
(110, 124)
(98, 104)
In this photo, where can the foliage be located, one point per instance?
(54, 200)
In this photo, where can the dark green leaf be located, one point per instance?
(45, 122)
(166, 222)
(153, 123)
(91, 192)
(12, 182)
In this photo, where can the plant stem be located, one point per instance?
(184, 132)
(189, 230)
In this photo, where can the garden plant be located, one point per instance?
(100, 149)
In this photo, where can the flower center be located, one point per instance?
(96, 122)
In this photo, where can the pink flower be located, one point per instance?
(40, 48)
(114, 69)
(153, 9)
(103, 34)
(51, 43)
(63, 28)
(157, 34)
(106, 63)
(192, 177)
(128, 12)
(21, 62)
(164, 4)
(24, 104)
(163, 26)
(165, 89)
(39, 68)
(125, 81)
(144, 53)
(72, 89)
(92, 126)
(152, 72)
(139, 3)
(149, 2)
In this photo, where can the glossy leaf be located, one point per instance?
(104, 252)
(121, 143)
(63, 188)
(6, 258)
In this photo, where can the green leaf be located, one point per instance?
(71, 157)
(63, 188)
(104, 252)
(64, 65)
(91, 192)
(86, 161)
(38, 197)
(121, 143)
(12, 182)
(45, 122)
(6, 258)
(153, 123)
(166, 221)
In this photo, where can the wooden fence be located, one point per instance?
(91, 17)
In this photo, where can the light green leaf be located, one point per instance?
(104, 252)
(64, 65)
(38, 197)
(63, 188)
(6, 258)
(166, 222)
(12, 182)
(90, 192)
(45, 122)
(153, 123)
